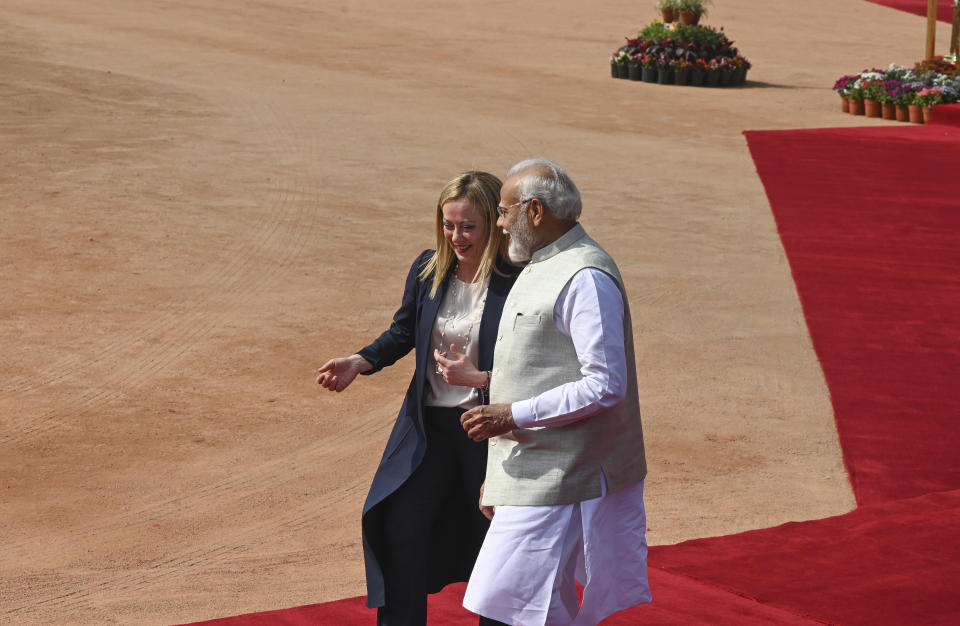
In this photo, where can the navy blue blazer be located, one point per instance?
(411, 329)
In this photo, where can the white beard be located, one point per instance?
(522, 240)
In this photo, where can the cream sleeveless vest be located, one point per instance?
(558, 465)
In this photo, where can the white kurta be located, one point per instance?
(525, 572)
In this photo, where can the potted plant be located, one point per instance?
(636, 66)
(726, 71)
(841, 86)
(939, 64)
(698, 74)
(621, 60)
(925, 99)
(887, 99)
(902, 99)
(855, 95)
(681, 71)
(668, 10)
(871, 90)
(664, 70)
(690, 11)
(713, 73)
(649, 74)
(740, 66)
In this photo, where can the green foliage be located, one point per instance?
(873, 90)
(692, 6)
(684, 34)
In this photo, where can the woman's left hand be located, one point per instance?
(456, 369)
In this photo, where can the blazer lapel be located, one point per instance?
(428, 316)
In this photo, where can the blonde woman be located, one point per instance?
(421, 525)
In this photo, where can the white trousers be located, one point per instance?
(525, 572)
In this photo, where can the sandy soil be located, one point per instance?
(203, 201)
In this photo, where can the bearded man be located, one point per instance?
(565, 463)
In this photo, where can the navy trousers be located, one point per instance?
(452, 462)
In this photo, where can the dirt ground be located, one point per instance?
(203, 201)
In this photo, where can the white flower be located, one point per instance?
(941, 80)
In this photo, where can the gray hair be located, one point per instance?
(551, 184)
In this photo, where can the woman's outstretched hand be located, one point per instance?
(337, 374)
(456, 369)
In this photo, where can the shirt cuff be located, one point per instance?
(523, 415)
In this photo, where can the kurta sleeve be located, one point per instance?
(590, 312)
(395, 342)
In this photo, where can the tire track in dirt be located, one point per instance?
(230, 544)
(170, 336)
(172, 317)
(170, 313)
(255, 479)
(264, 478)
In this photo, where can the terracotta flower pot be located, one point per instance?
(888, 111)
(916, 113)
(856, 106)
(927, 114)
(844, 103)
(689, 18)
(871, 108)
(669, 15)
(903, 114)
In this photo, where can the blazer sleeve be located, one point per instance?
(395, 342)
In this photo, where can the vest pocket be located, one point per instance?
(526, 322)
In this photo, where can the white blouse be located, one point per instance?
(458, 323)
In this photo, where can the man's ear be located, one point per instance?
(537, 212)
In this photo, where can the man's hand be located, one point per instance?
(488, 420)
(486, 510)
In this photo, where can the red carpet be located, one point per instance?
(894, 563)
(919, 7)
(870, 221)
(872, 237)
(680, 601)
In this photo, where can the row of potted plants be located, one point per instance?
(673, 53)
(685, 11)
(900, 93)
(650, 68)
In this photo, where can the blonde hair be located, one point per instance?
(482, 190)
